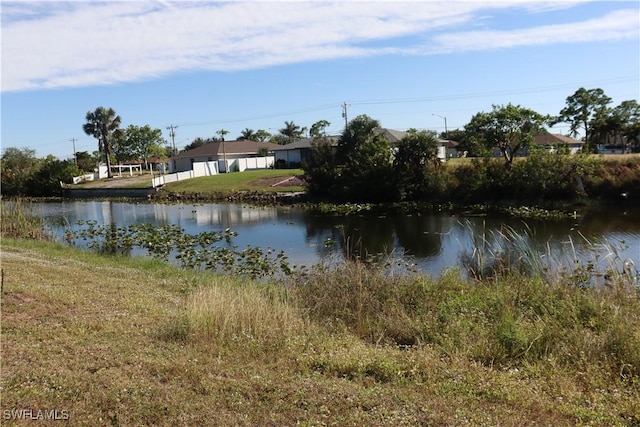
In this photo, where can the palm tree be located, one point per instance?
(222, 133)
(261, 135)
(291, 130)
(247, 134)
(102, 124)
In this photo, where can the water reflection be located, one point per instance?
(434, 241)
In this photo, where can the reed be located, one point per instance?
(503, 252)
(19, 221)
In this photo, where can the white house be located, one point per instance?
(553, 141)
(292, 155)
(230, 155)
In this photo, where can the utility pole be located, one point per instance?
(344, 114)
(172, 134)
(75, 157)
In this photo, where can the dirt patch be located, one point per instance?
(280, 181)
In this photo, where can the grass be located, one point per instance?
(121, 341)
(236, 181)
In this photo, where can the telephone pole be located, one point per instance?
(75, 157)
(172, 134)
(344, 114)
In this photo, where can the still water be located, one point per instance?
(431, 241)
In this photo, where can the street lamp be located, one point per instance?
(445, 124)
(446, 133)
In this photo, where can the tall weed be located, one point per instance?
(18, 221)
(227, 313)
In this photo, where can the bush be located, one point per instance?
(611, 178)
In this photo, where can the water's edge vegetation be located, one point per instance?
(542, 180)
(138, 341)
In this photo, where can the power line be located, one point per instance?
(484, 94)
(264, 116)
(410, 100)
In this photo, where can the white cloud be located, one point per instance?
(51, 44)
(614, 26)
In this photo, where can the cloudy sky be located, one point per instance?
(206, 66)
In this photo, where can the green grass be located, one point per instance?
(236, 181)
(121, 341)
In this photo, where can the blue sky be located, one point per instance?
(206, 66)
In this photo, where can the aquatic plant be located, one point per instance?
(170, 242)
(503, 251)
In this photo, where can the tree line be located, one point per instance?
(362, 155)
(365, 167)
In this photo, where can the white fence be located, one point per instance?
(214, 168)
(83, 178)
(199, 169)
(102, 172)
(253, 163)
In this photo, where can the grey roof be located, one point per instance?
(554, 138)
(449, 143)
(304, 143)
(393, 135)
(218, 148)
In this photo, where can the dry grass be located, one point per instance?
(227, 312)
(116, 341)
(137, 180)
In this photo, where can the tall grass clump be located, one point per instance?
(600, 264)
(18, 221)
(503, 251)
(359, 298)
(510, 319)
(224, 314)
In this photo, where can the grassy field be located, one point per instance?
(130, 342)
(254, 180)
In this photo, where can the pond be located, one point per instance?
(431, 241)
